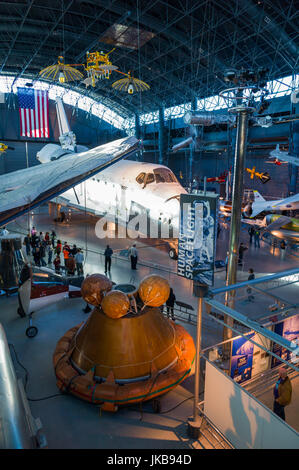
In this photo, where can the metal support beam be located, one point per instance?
(253, 325)
(270, 277)
(235, 225)
(161, 135)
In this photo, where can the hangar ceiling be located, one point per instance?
(180, 48)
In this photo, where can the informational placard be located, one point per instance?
(197, 237)
(241, 358)
(289, 329)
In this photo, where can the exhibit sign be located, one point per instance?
(288, 329)
(241, 358)
(197, 237)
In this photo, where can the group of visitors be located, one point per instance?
(43, 247)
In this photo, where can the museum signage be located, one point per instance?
(197, 237)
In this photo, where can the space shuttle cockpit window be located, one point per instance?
(164, 175)
(140, 178)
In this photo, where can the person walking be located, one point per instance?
(42, 249)
(36, 255)
(79, 258)
(58, 247)
(66, 252)
(251, 233)
(70, 265)
(283, 249)
(257, 238)
(53, 238)
(33, 231)
(27, 242)
(57, 264)
(170, 304)
(249, 290)
(282, 393)
(108, 253)
(133, 254)
(49, 252)
(242, 248)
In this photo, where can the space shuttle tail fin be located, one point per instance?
(67, 138)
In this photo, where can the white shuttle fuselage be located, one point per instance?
(129, 188)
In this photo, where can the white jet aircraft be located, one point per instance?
(253, 208)
(280, 156)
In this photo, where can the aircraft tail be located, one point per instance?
(67, 138)
(258, 197)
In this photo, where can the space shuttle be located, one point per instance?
(125, 189)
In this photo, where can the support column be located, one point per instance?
(293, 150)
(137, 126)
(235, 225)
(161, 135)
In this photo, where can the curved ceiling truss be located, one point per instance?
(193, 42)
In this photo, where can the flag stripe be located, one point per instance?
(34, 113)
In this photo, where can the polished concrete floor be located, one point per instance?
(71, 423)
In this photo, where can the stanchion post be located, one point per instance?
(194, 423)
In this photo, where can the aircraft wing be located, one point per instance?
(22, 190)
(280, 222)
(290, 203)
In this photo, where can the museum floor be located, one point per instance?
(71, 423)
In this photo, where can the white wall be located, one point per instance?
(243, 420)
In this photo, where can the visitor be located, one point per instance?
(242, 248)
(282, 249)
(79, 258)
(58, 247)
(70, 264)
(282, 393)
(108, 253)
(53, 238)
(49, 253)
(249, 290)
(4, 232)
(251, 233)
(33, 231)
(257, 238)
(42, 249)
(133, 255)
(170, 304)
(27, 242)
(57, 264)
(66, 252)
(36, 255)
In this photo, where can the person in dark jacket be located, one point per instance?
(57, 264)
(251, 233)
(27, 242)
(170, 304)
(36, 256)
(282, 393)
(108, 253)
(249, 290)
(242, 248)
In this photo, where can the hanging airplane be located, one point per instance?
(251, 209)
(280, 226)
(281, 157)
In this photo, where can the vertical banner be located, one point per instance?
(288, 329)
(241, 358)
(197, 237)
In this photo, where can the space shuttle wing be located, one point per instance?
(22, 190)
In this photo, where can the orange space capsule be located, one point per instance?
(118, 356)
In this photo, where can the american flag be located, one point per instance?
(34, 112)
